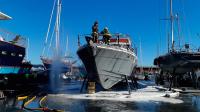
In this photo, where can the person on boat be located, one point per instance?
(106, 35)
(95, 33)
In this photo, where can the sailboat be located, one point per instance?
(178, 61)
(63, 62)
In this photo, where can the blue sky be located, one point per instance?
(138, 18)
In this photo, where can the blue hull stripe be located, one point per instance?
(9, 70)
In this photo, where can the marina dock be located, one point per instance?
(99, 56)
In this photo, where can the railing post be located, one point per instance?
(118, 39)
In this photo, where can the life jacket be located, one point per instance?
(106, 33)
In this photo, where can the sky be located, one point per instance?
(141, 19)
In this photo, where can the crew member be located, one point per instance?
(95, 32)
(106, 35)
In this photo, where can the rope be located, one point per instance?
(51, 39)
(47, 34)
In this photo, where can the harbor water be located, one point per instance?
(184, 103)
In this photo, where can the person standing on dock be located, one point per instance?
(95, 33)
(106, 35)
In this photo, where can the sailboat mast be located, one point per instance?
(172, 23)
(57, 28)
(66, 47)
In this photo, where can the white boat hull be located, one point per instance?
(110, 64)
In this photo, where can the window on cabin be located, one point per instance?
(20, 55)
(13, 54)
(4, 52)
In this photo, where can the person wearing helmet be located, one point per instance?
(95, 33)
(106, 35)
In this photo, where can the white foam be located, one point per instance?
(142, 95)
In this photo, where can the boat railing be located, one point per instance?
(116, 39)
(12, 38)
(186, 48)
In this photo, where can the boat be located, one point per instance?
(181, 60)
(12, 52)
(178, 62)
(64, 62)
(108, 64)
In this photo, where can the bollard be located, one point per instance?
(91, 87)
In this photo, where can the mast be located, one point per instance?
(172, 23)
(57, 28)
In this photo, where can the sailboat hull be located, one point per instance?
(178, 62)
(50, 65)
(107, 65)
